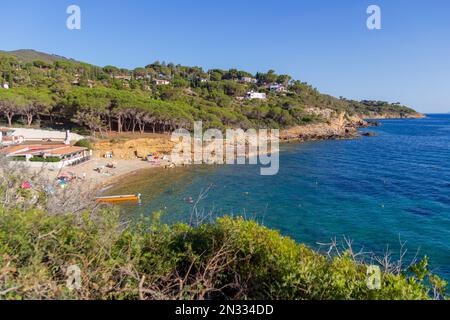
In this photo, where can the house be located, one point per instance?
(90, 83)
(160, 82)
(203, 80)
(8, 137)
(248, 80)
(276, 87)
(54, 156)
(256, 95)
(122, 77)
(5, 86)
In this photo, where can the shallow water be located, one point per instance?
(374, 190)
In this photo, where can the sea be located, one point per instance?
(384, 194)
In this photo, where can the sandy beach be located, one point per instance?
(96, 181)
(122, 169)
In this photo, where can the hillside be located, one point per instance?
(161, 97)
(29, 55)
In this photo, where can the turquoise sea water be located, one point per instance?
(376, 191)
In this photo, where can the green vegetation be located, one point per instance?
(18, 158)
(84, 143)
(46, 159)
(58, 91)
(32, 55)
(231, 259)
(40, 239)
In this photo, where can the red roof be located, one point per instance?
(24, 150)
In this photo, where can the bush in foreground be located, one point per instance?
(230, 259)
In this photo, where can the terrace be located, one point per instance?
(56, 156)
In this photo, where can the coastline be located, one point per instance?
(101, 181)
(340, 128)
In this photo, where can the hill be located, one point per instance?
(161, 97)
(29, 55)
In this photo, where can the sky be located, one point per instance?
(323, 42)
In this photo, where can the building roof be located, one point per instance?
(55, 150)
(66, 150)
(12, 149)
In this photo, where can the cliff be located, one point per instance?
(341, 126)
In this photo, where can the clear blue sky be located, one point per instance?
(323, 42)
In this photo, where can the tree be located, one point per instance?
(37, 101)
(284, 79)
(11, 104)
(111, 70)
(268, 77)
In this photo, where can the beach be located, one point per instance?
(129, 151)
(122, 169)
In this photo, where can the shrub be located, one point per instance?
(231, 259)
(84, 143)
(44, 231)
(47, 159)
(22, 159)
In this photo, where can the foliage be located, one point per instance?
(45, 230)
(84, 143)
(232, 259)
(18, 159)
(57, 90)
(46, 159)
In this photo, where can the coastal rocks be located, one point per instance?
(340, 127)
(373, 124)
(395, 116)
(369, 134)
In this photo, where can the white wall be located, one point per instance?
(39, 135)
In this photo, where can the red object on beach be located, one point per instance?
(26, 185)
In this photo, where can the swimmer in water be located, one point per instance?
(189, 200)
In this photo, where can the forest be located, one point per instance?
(160, 97)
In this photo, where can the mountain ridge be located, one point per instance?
(30, 55)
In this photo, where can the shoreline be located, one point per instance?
(99, 182)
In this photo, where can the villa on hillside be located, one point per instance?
(90, 83)
(248, 80)
(122, 77)
(5, 86)
(256, 95)
(161, 82)
(52, 156)
(276, 87)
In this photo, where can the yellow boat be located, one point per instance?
(122, 198)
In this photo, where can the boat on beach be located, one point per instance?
(120, 198)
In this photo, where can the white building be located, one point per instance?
(50, 156)
(256, 95)
(5, 86)
(8, 137)
(275, 87)
(38, 135)
(160, 82)
(248, 80)
(122, 77)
